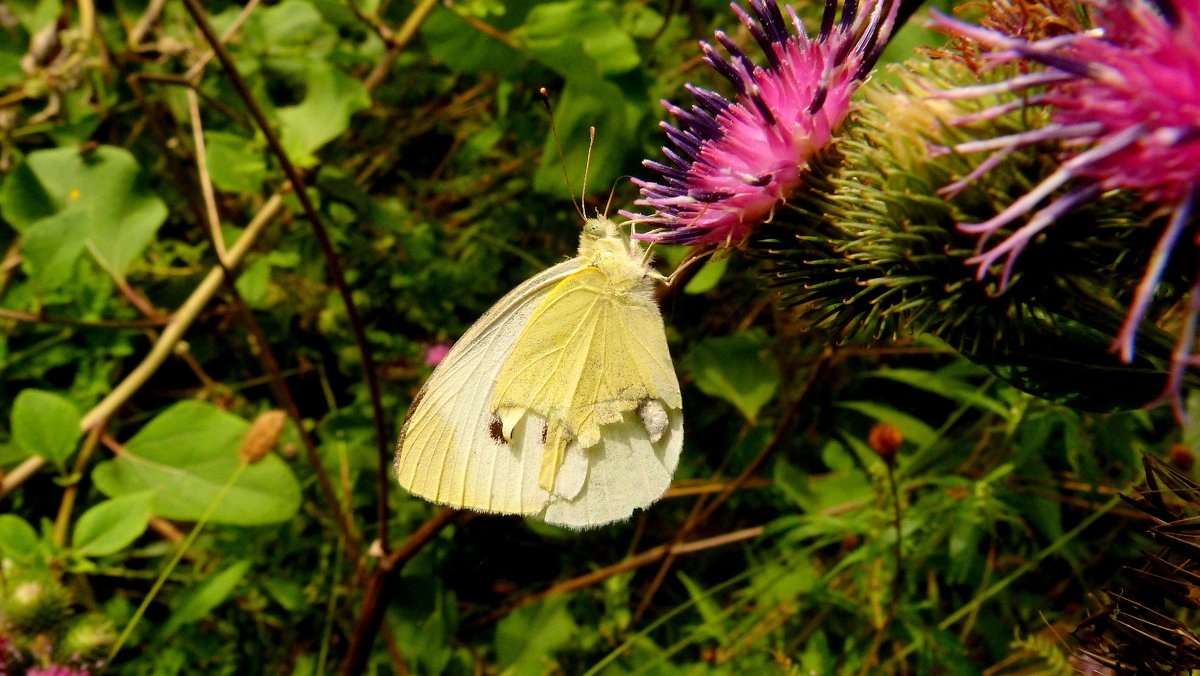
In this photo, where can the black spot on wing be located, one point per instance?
(545, 432)
(496, 431)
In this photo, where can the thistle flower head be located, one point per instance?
(734, 161)
(1124, 102)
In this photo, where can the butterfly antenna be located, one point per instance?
(611, 193)
(558, 146)
(587, 165)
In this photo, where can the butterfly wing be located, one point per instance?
(611, 404)
(627, 470)
(561, 402)
(450, 449)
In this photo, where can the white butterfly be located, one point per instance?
(560, 403)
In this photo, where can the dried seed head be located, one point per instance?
(262, 437)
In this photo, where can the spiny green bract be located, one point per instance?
(870, 250)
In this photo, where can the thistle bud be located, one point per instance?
(885, 440)
(33, 606)
(1182, 457)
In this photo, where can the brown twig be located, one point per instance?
(171, 334)
(637, 561)
(379, 589)
(210, 215)
(283, 395)
(701, 513)
(400, 39)
(206, 212)
(332, 262)
(40, 318)
(67, 506)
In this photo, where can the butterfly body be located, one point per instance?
(560, 403)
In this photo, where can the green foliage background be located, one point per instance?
(419, 133)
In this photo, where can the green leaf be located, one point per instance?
(34, 15)
(202, 599)
(23, 200)
(119, 215)
(578, 36)
(52, 245)
(710, 272)
(707, 606)
(235, 163)
(912, 428)
(463, 48)
(46, 424)
(793, 484)
(287, 593)
(255, 282)
(294, 25)
(187, 454)
(940, 384)
(585, 104)
(10, 69)
(331, 97)
(18, 539)
(739, 369)
(817, 657)
(526, 639)
(112, 525)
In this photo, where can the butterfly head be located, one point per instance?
(604, 245)
(598, 228)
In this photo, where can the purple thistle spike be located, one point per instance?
(736, 160)
(1125, 104)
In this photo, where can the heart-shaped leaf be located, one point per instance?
(45, 424)
(186, 455)
(103, 190)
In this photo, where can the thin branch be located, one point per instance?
(39, 318)
(379, 589)
(645, 558)
(701, 513)
(327, 250)
(206, 188)
(144, 23)
(400, 40)
(234, 27)
(67, 506)
(163, 347)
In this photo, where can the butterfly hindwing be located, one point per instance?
(626, 471)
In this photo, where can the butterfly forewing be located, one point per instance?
(449, 450)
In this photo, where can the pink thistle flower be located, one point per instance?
(435, 353)
(1124, 101)
(735, 161)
